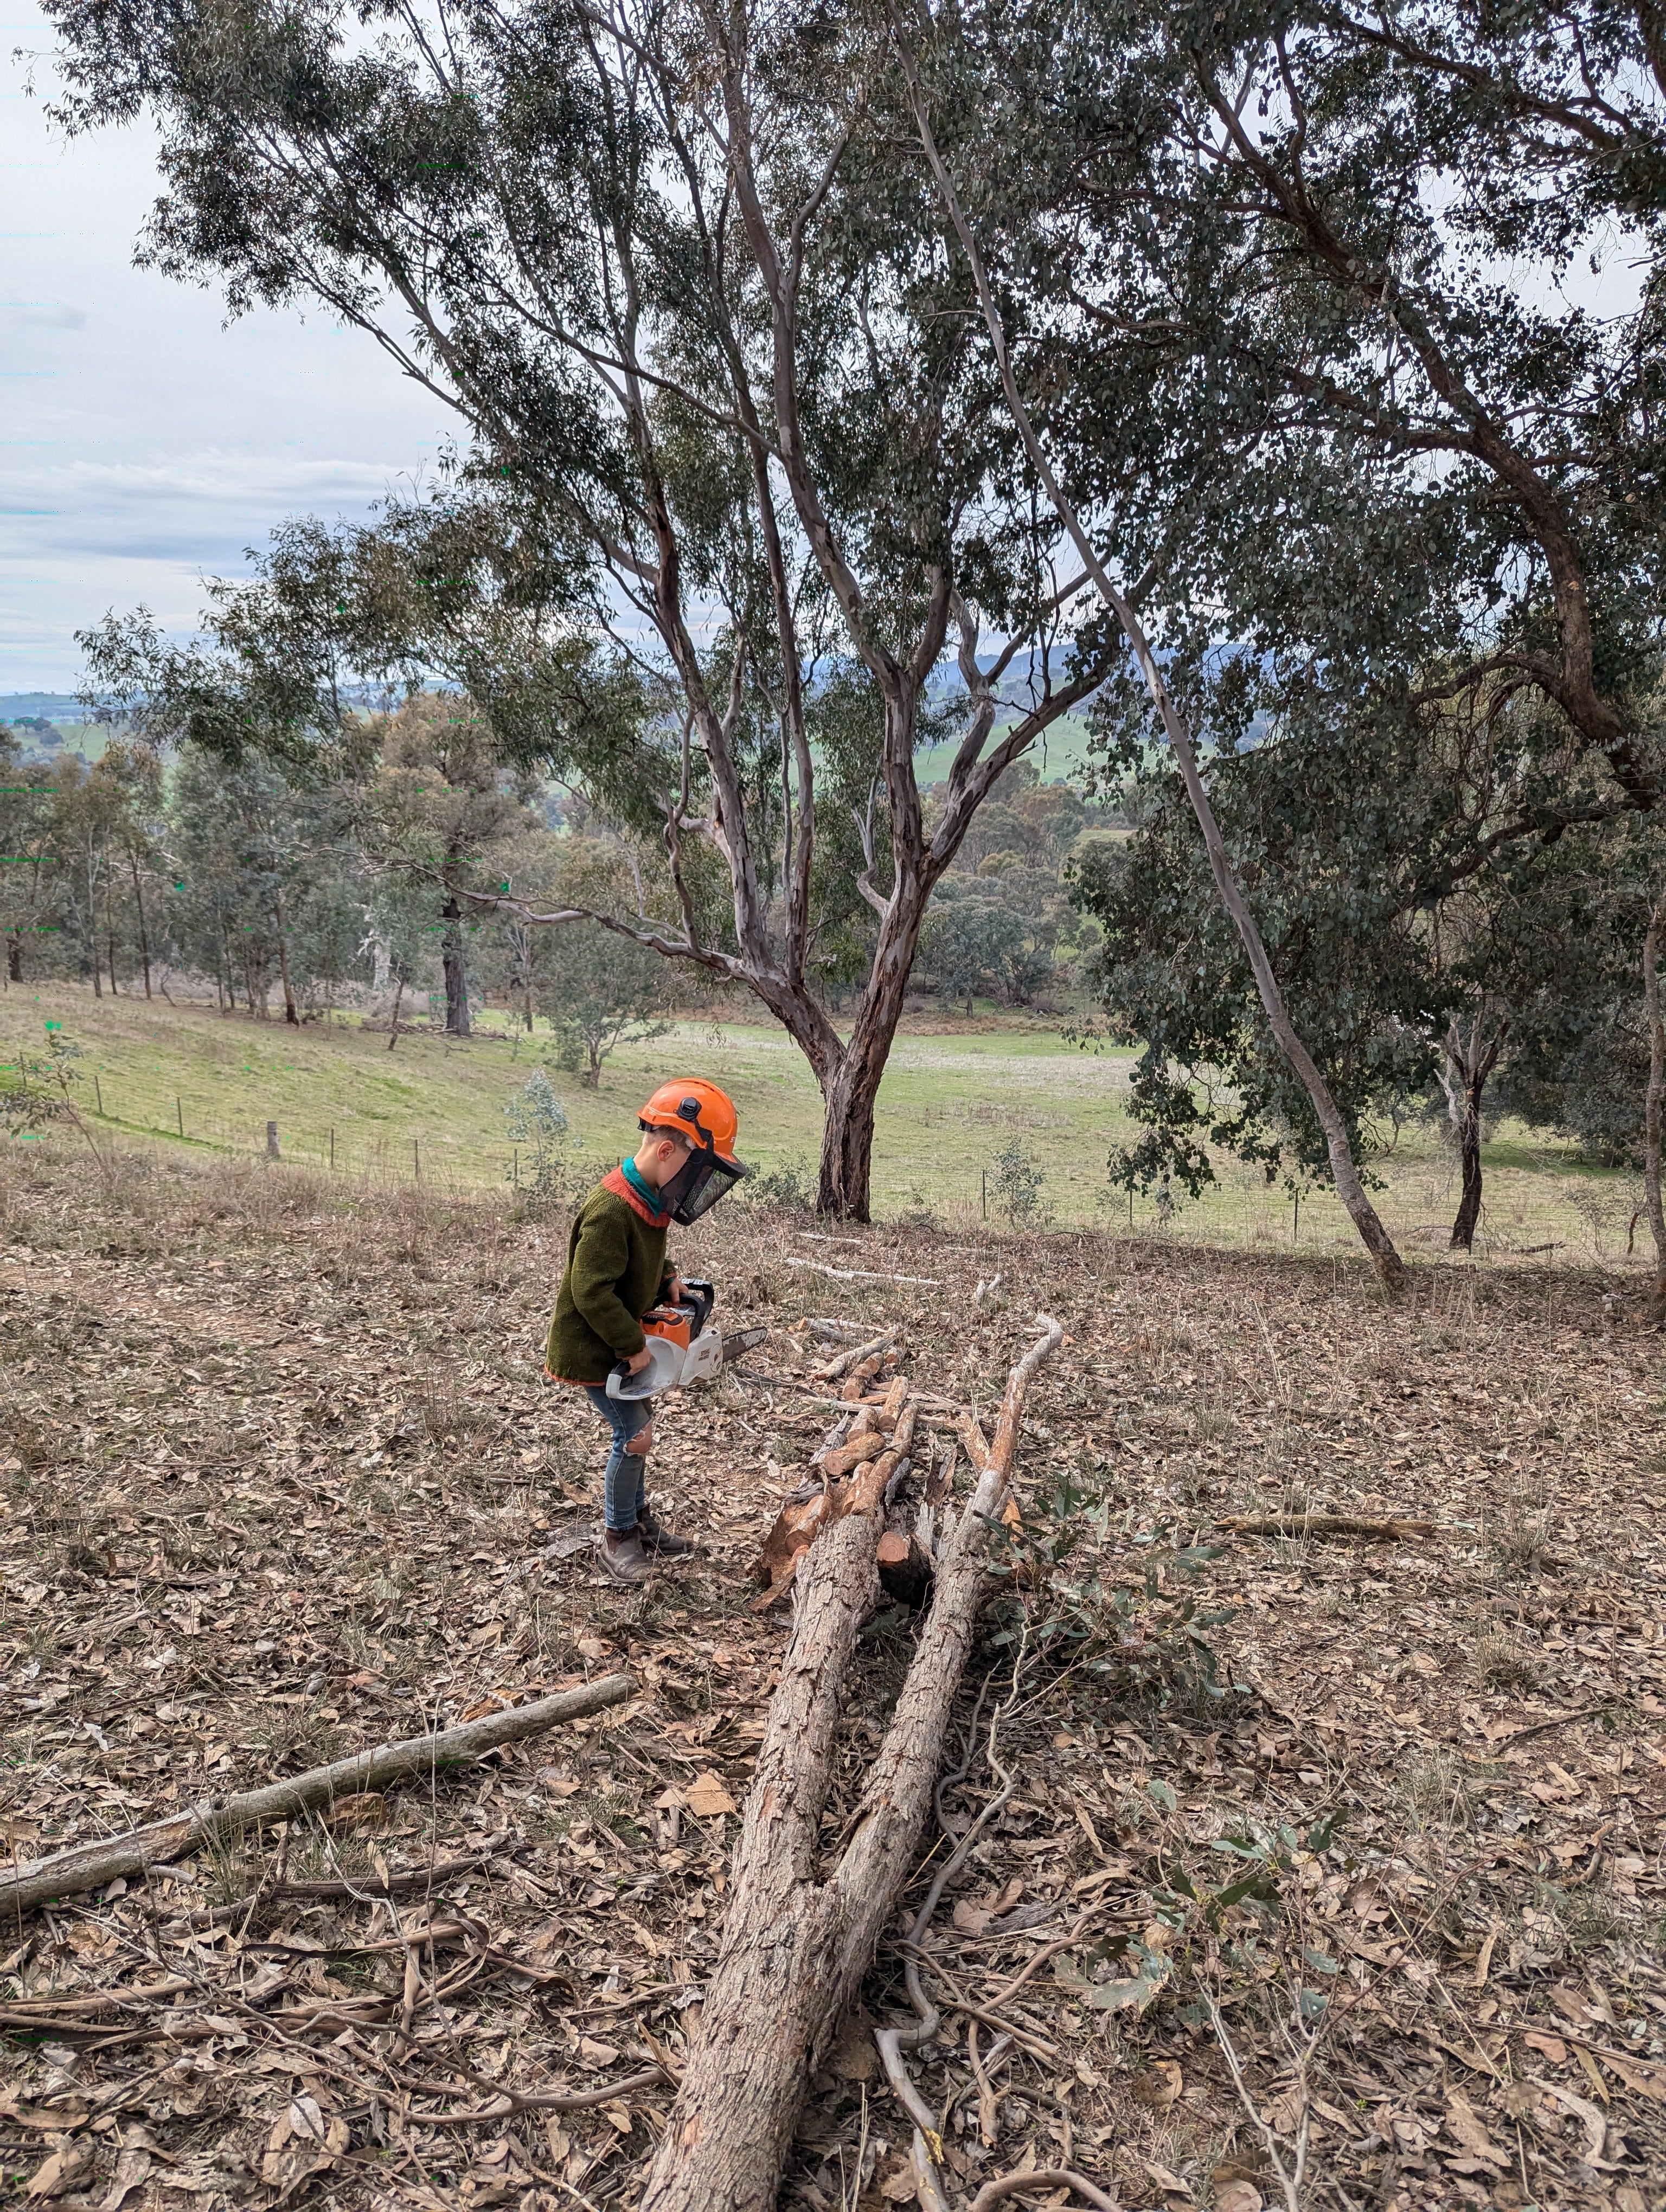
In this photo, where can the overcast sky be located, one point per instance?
(142, 445)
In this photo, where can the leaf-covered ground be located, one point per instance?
(1372, 1816)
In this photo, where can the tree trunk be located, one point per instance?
(145, 935)
(1464, 1068)
(592, 1074)
(847, 1159)
(15, 960)
(1390, 1268)
(290, 1014)
(796, 1940)
(1655, 1103)
(399, 999)
(1468, 1212)
(93, 922)
(850, 1086)
(456, 981)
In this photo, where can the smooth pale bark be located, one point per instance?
(1389, 1266)
(88, 1866)
(798, 1940)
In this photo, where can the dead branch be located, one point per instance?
(797, 1940)
(89, 1866)
(1331, 1524)
(863, 1274)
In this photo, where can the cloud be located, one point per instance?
(44, 315)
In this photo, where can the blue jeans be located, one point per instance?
(627, 1472)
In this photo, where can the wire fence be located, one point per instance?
(332, 1148)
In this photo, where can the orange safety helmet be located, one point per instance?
(698, 1110)
(705, 1116)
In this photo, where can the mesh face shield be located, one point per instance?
(698, 1184)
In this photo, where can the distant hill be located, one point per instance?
(54, 706)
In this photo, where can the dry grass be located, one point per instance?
(279, 1479)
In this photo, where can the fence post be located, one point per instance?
(98, 1093)
(986, 1193)
(416, 1156)
(517, 1168)
(181, 1111)
(271, 1140)
(332, 1151)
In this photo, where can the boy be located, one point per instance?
(616, 1272)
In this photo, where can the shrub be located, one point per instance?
(537, 1124)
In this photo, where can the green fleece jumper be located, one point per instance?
(616, 1272)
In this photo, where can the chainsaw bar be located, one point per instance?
(735, 1341)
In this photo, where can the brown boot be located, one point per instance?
(622, 1557)
(658, 1540)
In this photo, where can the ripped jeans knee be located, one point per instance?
(631, 1420)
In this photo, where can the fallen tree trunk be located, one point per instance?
(88, 1866)
(798, 1938)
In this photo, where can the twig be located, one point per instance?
(1562, 1720)
(1289, 2184)
(512, 2101)
(1044, 2177)
(1001, 2049)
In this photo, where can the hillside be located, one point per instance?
(956, 1093)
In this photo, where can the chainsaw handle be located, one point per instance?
(702, 1296)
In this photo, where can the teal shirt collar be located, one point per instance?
(645, 1191)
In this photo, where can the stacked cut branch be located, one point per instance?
(799, 1934)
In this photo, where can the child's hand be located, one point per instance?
(678, 1294)
(637, 1361)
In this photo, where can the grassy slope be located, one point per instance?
(955, 1092)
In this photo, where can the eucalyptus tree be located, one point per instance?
(709, 355)
(1337, 260)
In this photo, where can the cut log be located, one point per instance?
(905, 1567)
(88, 1866)
(798, 1938)
(830, 1370)
(839, 1461)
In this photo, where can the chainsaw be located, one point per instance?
(682, 1347)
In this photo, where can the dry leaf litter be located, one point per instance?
(1324, 1675)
